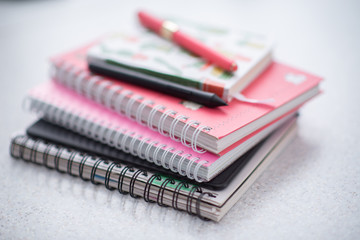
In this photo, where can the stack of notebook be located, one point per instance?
(161, 148)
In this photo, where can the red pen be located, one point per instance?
(170, 31)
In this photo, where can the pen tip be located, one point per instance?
(217, 101)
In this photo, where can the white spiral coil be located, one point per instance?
(184, 132)
(140, 109)
(173, 124)
(150, 120)
(163, 157)
(130, 104)
(147, 151)
(172, 158)
(162, 121)
(134, 151)
(156, 152)
(188, 167)
(140, 147)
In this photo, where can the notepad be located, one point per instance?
(143, 51)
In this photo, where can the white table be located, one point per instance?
(312, 189)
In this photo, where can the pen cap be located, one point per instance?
(149, 21)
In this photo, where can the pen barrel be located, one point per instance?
(203, 51)
(150, 82)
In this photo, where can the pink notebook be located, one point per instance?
(195, 126)
(64, 107)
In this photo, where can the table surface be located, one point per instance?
(310, 191)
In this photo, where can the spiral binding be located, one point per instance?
(148, 185)
(37, 147)
(70, 161)
(107, 175)
(160, 195)
(81, 167)
(129, 142)
(132, 182)
(123, 101)
(34, 150)
(45, 155)
(176, 194)
(93, 171)
(56, 159)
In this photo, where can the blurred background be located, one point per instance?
(310, 191)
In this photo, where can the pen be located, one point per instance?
(170, 31)
(205, 98)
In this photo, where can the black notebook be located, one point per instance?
(50, 132)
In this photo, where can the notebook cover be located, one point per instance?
(50, 132)
(279, 82)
